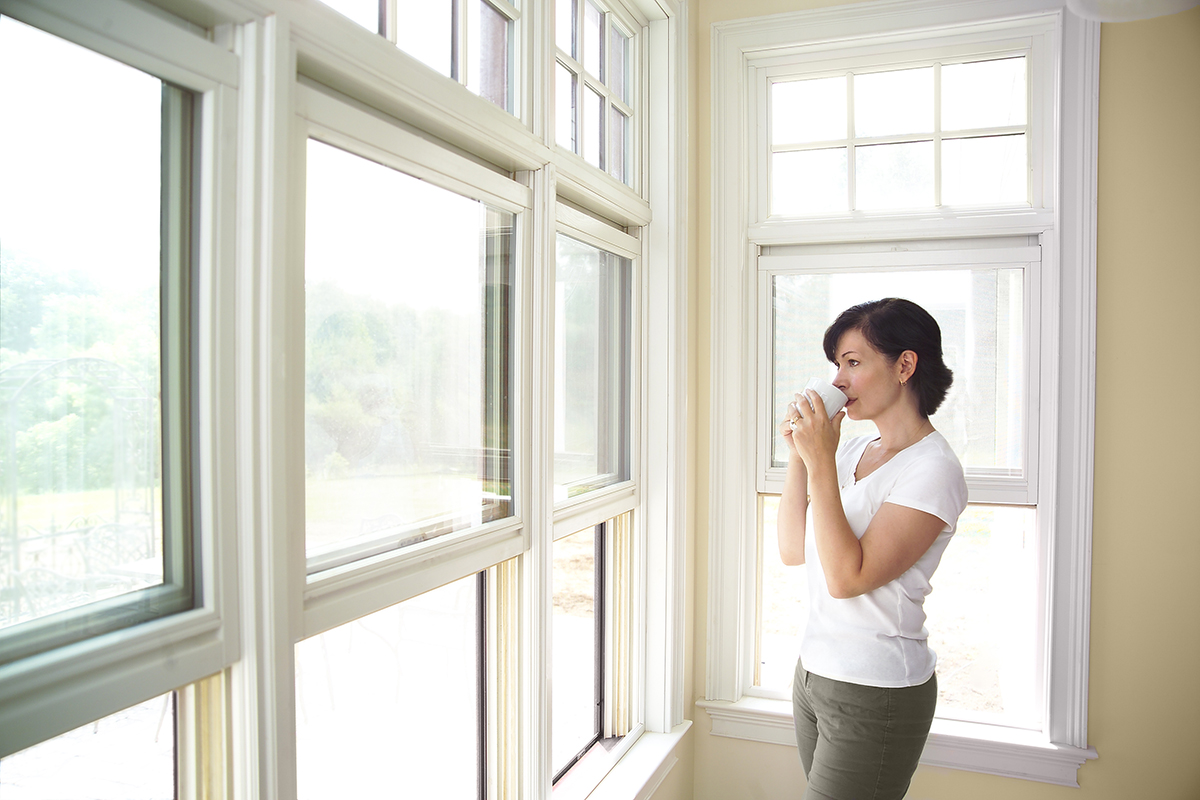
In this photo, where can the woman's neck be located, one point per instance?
(896, 435)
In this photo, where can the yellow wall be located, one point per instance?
(1145, 647)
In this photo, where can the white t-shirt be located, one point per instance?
(879, 638)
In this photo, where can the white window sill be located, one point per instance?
(994, 750)
(643, 768)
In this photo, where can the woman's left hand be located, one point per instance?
(814, 434)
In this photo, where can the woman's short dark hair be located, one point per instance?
(893, 325)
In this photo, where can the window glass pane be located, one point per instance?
(893, 176)
(983, 94)
(890, 103)
(564, 27)
(783, 606)
(489, 64)
(574, 688)
(808, 111)
(618, 156)
(425, 30)
(809, 182)
(984, 619)
(593, 128)
(130, 754)
(392, 699)
(564, 107)
(593, 39)
(618, 65)
(988, 169)
(981, 314)
(364, 12)
(406, 357)
(591, 365)
(82, 352)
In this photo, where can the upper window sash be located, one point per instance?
(113, 670)
(367, 575)
(987, 483)
(618, 495)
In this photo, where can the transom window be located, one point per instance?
(593, 86)
(939, 134)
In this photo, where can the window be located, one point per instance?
(360, 281)
(406, 359)
(926, 135)
(400, 692)
(95, 371)
(594, 85)
(924, 167)
(110, 249)
(470, 41)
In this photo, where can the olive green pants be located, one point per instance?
(859, 742)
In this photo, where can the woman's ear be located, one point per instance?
(908, 365)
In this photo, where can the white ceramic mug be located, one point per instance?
(832, 396)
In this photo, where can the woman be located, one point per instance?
(871, 517)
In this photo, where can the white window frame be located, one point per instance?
(412, 104)
(1062, 216)
(48, 694)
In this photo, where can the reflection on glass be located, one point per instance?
(130, 754)
(593, 128)
(808, 111)
(82, 513)
(890, 103)
(575, 694)
(892, 176)
(809, 182)
(564, 27)
(393, 697)
(406, 357)
(564, 107)
(618, 156)
(591, 365)
(489, 71)
(593, 40)
(987, 169)
(363, 12)
(618, 64)
(981, 314)
(425, 30)
(983, 94)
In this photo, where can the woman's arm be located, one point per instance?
(892, 543)
(793, 506)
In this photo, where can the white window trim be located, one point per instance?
(54, 692)
(1067, 227)
(327, 48)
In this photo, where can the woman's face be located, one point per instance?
(871, 383)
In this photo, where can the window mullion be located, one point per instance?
(851, 194)
(937, 135)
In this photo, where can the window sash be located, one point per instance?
(985, 484)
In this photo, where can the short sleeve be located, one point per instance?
(933, 483)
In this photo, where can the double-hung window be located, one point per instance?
(115, 534)
(924, 167)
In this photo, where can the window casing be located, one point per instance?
(749, 59)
